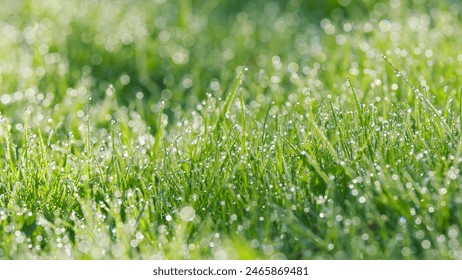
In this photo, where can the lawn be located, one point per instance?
(133, 129)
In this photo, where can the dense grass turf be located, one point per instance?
(230, 129)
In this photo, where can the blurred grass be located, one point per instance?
(118, 115)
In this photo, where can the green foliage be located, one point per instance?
(136, 129)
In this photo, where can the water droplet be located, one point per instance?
(254, 243)
(187, 214)
(110, 90)
(453, 232)
(134, 243)
(426, 244)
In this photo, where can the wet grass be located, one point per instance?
(161, 129)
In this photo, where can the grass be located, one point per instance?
(261, 130)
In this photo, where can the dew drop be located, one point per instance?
(426, 244)
(187, 214)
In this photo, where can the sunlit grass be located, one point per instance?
(157, 129)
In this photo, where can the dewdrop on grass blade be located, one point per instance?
(420, 95)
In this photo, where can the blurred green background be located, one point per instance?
(175, 51)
